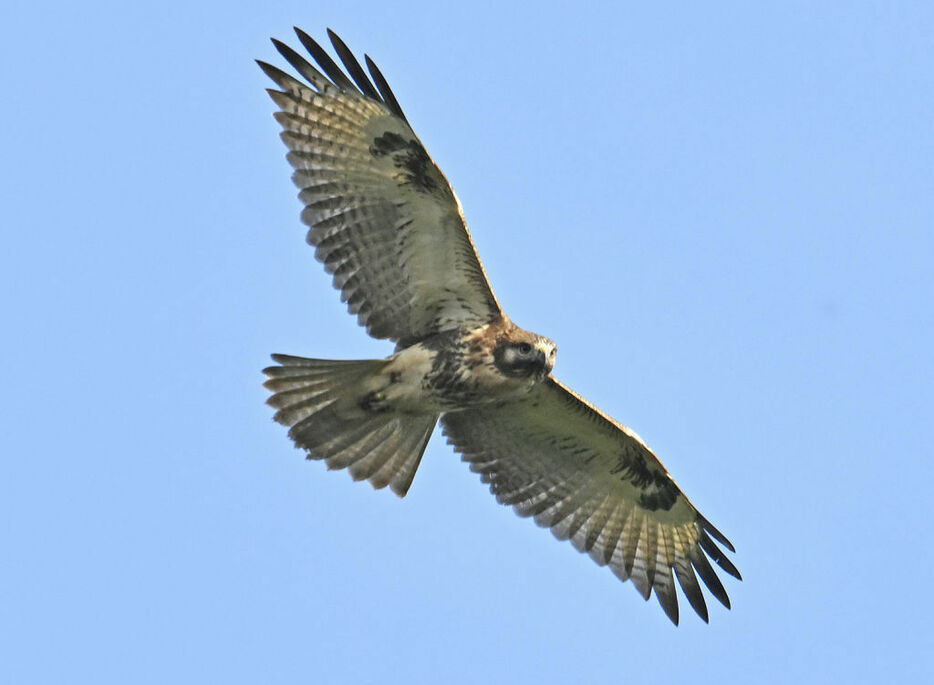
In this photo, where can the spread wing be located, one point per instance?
(382, 216)
(556, 457)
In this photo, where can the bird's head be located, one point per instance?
(523, 354)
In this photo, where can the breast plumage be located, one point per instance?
(386, 224)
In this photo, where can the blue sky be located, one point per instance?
(722, 216)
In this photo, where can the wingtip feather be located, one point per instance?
(718, 536)
(383, 86)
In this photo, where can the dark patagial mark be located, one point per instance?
(659, 492)
(409, 157)
(664, 496)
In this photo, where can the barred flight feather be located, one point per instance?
(389, 229)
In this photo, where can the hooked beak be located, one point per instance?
(546, 359)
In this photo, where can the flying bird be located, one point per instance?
(387, 225)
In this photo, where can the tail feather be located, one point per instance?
(380, 465)
(374, 434)
(321, 401)
(374, 459)
(342, 450)
(301, 369)
(399, 471)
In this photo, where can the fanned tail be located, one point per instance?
(322, 403)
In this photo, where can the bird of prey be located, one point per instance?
(386, 224)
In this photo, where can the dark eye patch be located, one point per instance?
(516, 359)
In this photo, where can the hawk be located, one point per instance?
(386, 224)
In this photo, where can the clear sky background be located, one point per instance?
(724, 216)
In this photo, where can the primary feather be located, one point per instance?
(387, 225)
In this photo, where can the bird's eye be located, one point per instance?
(524, 348)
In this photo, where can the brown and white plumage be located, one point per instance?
(383, 217)
(557, 458)
(387, 225)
